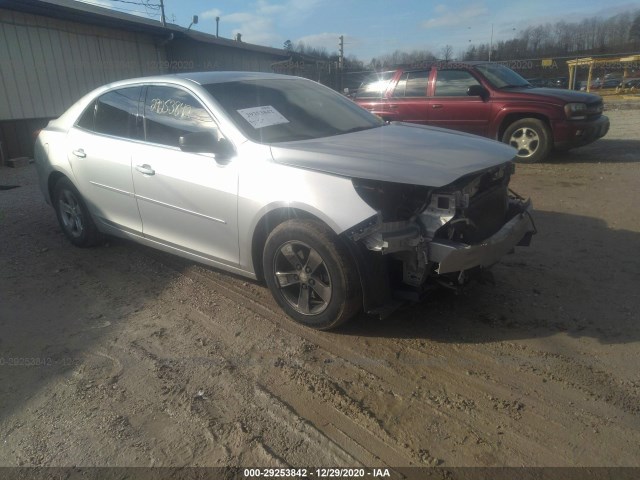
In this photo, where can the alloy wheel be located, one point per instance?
(303, 278)
(526, 141)
(71, 213)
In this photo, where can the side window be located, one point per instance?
(398, 92)
(86, 120)
(454, 83)
(170, 113)
(417, 84)
(116, 113)
(374, 85)
(412, 84)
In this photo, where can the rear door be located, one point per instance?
(408, 101)
(99, 150)
(451, 107)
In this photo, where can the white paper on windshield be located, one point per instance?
(260, 117)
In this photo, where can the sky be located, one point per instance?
(372, 28)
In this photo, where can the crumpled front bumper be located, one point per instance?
(456, 257)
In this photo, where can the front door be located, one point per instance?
(451, 107)
(187, 200)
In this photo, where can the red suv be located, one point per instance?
(487, 99)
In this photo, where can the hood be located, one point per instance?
(559, 93)
(400, 152)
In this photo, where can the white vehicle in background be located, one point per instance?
(279, 178)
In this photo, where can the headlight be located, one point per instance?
(575, 111)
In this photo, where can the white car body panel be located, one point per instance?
(102, 169)
(190, 200)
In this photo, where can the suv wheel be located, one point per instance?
(530, 137)
(311, 274)
(73, 215)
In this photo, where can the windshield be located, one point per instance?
(288, 109)
(501, 76)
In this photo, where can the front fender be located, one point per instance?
(265, 186)
(548, 112)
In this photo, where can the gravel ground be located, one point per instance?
(123, 356)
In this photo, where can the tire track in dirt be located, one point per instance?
(506, 410)
(231, 360)
(304, 393)
(436, 409)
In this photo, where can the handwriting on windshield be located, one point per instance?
(174, 108)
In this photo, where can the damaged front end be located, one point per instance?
(422, 236)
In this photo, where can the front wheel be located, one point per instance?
(531, 138)
(311, 274)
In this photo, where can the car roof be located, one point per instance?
(199, 78)
(204, 78)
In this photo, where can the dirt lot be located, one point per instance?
(122, 356)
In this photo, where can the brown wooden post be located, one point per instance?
(571, 73)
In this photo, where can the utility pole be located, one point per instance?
(491, 43)
(162, 17)
(341, 61)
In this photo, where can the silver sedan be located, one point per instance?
(279, 178)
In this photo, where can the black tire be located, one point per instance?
(531, 138)
(73, 215)
(311, 274)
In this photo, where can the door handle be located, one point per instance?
(145, 169)
(79, 153)
(436, 105)
(392, 107)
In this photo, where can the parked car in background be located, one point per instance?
(487, 99)
(630, 84)
(605, 83)
(279, 178)
(538, 82)
(559, 82)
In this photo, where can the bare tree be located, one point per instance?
(446, 53)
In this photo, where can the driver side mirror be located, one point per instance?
(206, 142)
(478, 91)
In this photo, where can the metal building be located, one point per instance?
(54, 51)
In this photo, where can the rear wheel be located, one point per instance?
(530, 137)
(73, 215)
(311, 274)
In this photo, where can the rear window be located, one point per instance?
(114, 113)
